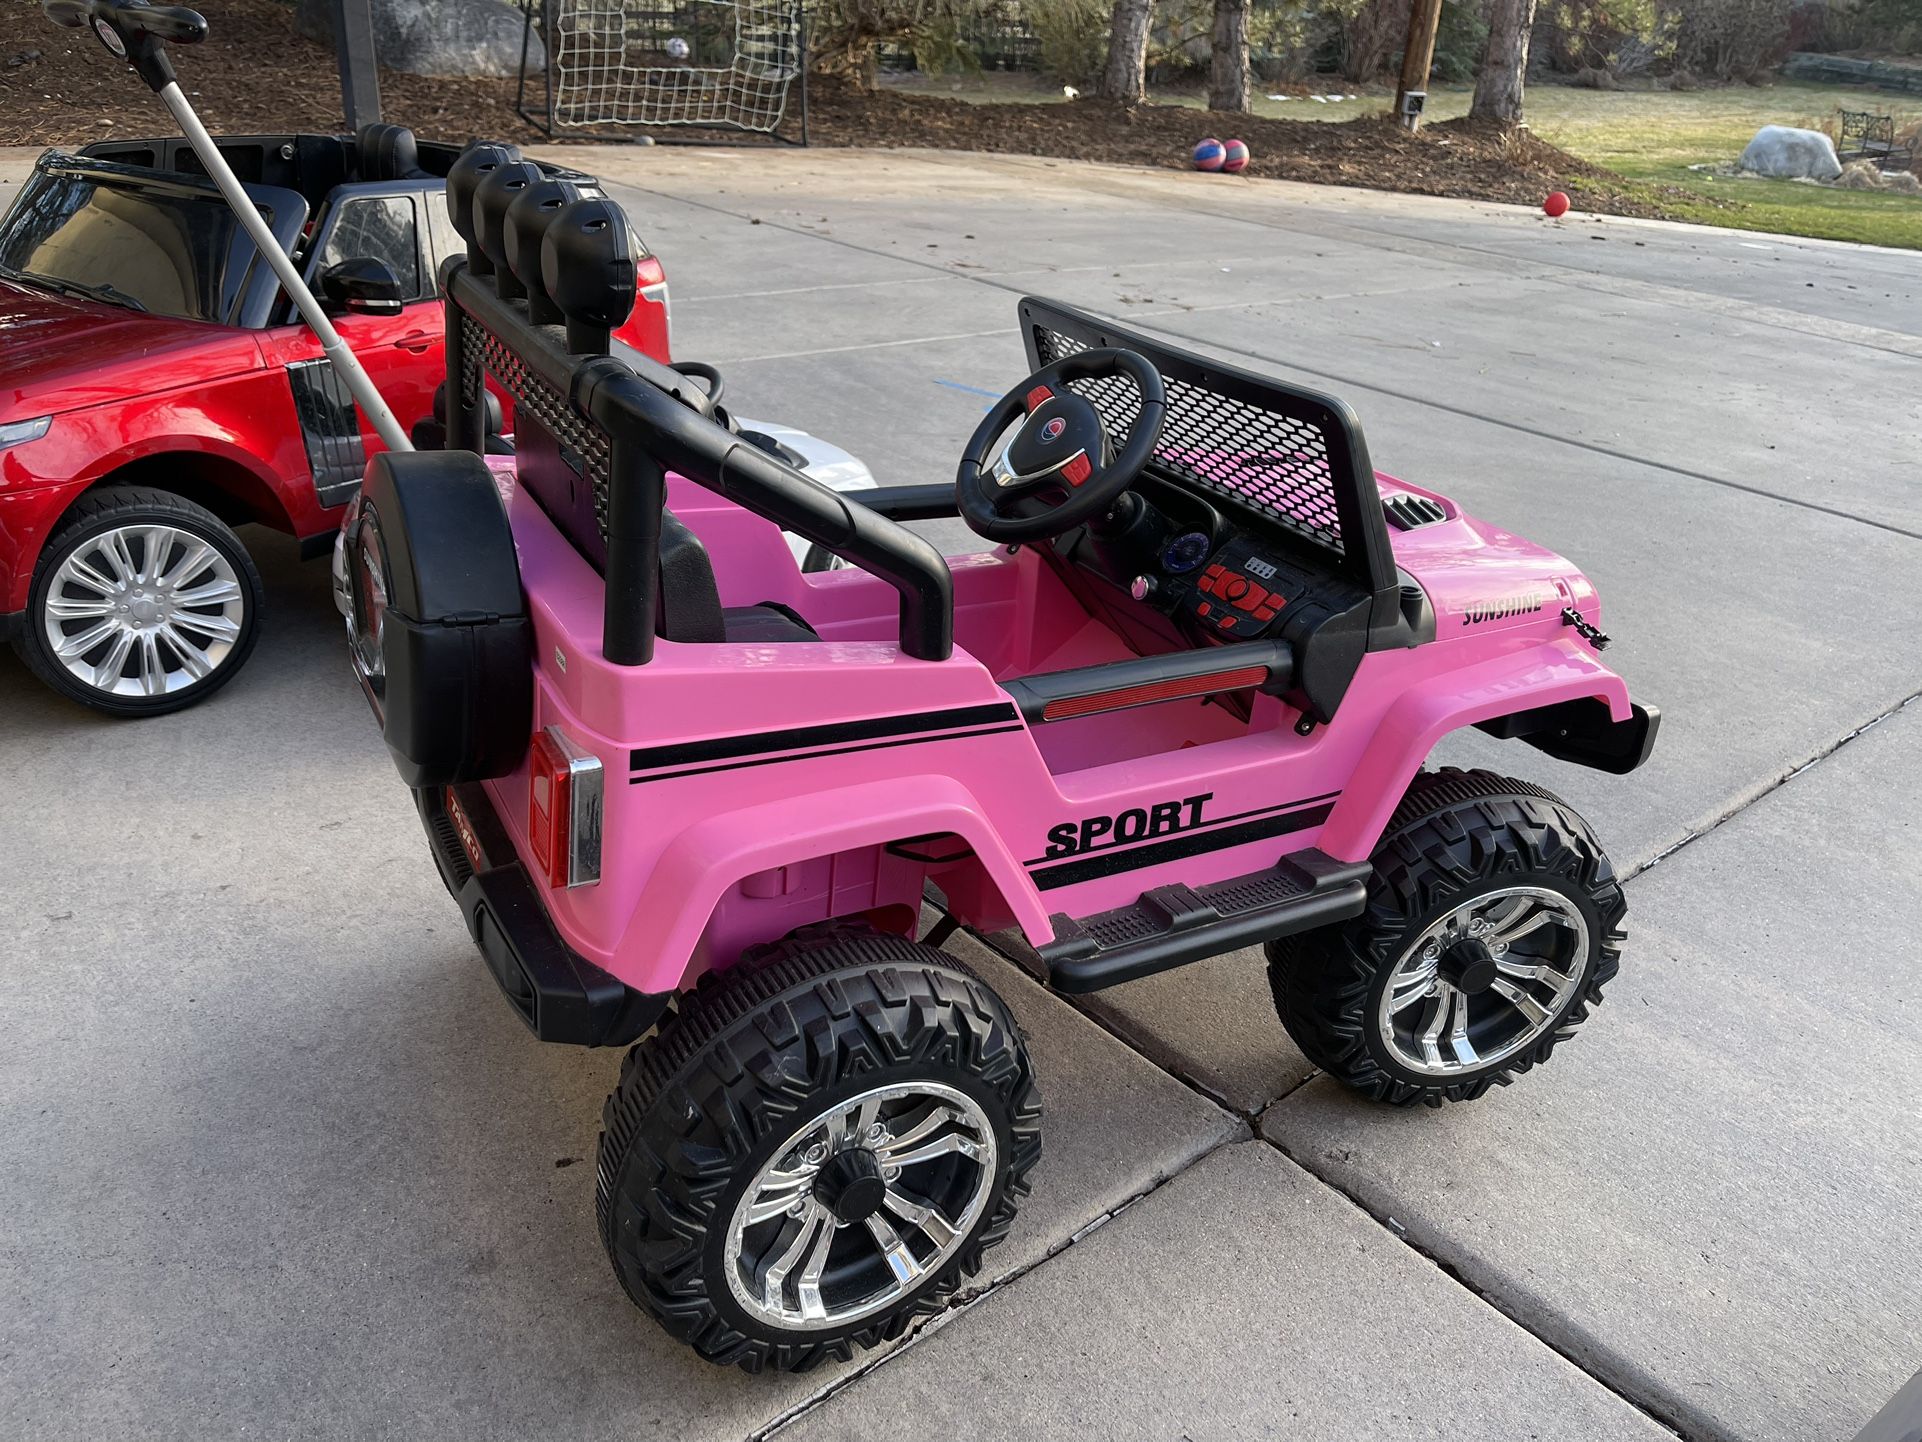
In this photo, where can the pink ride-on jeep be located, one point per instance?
(687, 794)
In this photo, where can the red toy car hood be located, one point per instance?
(66, 352)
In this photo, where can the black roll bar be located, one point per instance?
(656, 419)
(712, 456)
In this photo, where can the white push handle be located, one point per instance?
(336, 349)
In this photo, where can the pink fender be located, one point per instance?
(1412, 726)
(699, 867)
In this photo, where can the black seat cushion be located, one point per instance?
(691, 610)
(769, 623)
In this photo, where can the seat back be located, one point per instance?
(387, 152)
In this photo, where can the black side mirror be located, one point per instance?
(361, 287)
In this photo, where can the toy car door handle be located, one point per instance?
(417, 340)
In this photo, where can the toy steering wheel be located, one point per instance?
(1062, 447)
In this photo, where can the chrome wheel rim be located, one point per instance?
(861, 1205)
(143, 610)
(1483, 981)
(366, 586)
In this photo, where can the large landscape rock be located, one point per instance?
(1786, 153)
(437, 37)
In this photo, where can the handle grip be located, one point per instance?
(134, 30)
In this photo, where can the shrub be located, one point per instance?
(1891, 26)
(1071, 37)
(1459, 41)
(1730, 39)
(1619, 36)
(845, 36)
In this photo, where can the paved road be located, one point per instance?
(279, 1162)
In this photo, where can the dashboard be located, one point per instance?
(1219, 579)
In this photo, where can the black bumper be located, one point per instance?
(1584, 733)
(560, 994)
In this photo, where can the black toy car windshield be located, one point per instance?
(171, 249)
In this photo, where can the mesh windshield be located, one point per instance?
(1264, 459)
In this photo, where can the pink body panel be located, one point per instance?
(703, 859)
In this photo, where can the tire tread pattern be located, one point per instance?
(741, 1057)
(1452, 829)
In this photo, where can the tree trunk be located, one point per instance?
(1417, 58)
(1498, 84)
(1121, 79)
(1228, 59)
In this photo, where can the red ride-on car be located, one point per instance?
(157, 388)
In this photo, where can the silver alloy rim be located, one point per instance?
(367, 607)
(143, 610)
(793, 1262)
(1537, 939)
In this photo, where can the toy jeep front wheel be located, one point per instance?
(1493, 921)
(816, 1149)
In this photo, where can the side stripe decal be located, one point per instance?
(1112, 860)
(818, 740)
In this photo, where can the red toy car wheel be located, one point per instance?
(142, 603)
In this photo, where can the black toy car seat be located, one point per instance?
(387, 152)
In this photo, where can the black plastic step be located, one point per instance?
(1173, 925)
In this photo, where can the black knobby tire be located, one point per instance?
(105, 509)
(1456, 834)
(753, 1053)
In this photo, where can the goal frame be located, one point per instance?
(539, 13)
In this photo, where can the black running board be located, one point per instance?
(1173, 925)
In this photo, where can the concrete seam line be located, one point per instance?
(1121, 1033)
(1656, 293)
(1589, 446)
(1771, 787)
(1598, 283)
(965, 1300)
(804, 289)
(1489, 1300)
(864, 345)
(1515, 426)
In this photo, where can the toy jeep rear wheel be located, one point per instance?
(142, 603)
(1493, 921)
(816, 1149)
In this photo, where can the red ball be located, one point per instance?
(1556, 204)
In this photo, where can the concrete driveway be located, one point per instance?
(280, 1163)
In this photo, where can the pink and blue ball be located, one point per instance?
(1209, 155)
(1234, 157)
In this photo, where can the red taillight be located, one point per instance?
(549, 793)
(564, 802)
(647, 271)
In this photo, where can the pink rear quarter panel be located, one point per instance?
(704, 853)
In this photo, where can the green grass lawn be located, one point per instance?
(1652, 137)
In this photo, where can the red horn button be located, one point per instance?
(1077, 470)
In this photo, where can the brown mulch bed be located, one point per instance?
(1462, 158)
(255, 74)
